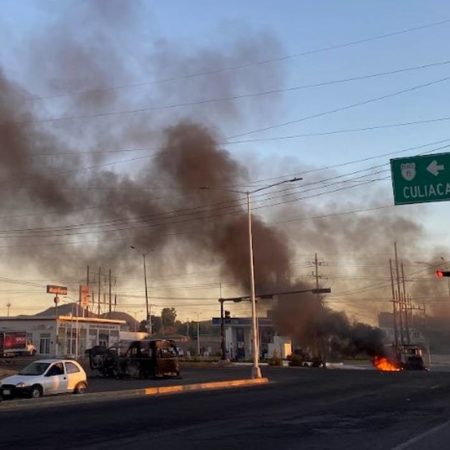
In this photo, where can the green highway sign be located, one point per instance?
(419, 179)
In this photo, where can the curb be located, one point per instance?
(26, 404)
(164, 390)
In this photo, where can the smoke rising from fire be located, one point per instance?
(62, 212)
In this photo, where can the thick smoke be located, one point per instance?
(322, 331)
(190, 160)
(73, 210)
(97, 213)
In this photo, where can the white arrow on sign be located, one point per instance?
(434, 168)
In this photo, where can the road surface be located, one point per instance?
(304, 408)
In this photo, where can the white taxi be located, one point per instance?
(45, 377)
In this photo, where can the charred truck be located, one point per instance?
(156, 358)
(400, 357)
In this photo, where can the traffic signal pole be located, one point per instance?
(222, 331)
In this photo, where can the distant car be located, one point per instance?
(45, 377)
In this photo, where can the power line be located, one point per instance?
(255, 63)
(239, 96)
(189, 220)
(353, 105)
(275, 138)
(342, 108)
(341, 131)
(233, 207)
(231, 204)
(334, 166)
(360, 160)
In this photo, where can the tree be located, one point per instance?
(168, 317)
(143, 326)
(156, 324)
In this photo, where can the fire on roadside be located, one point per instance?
(385, 365)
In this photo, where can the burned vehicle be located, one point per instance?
(410, 357)
(400, 357)
(156, 358)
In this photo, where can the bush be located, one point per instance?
(275, 360)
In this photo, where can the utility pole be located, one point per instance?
(316, 274)
(89, 289)
(99, 290)
(399, 296)
(406, 308)
(394, 306)
(222, 331)
(320, 343)
(8, 305)
(146, 297)
(198, 335)
(109, 293)
(150, 327)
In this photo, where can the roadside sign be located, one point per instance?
(420, 179)
(84, 295)
(61, 290)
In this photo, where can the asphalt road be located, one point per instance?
(304, 408)
(191, 375)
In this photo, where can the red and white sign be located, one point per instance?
(84, 295)
(58, 290)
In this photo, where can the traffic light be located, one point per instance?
(442, 273)
(227, 315)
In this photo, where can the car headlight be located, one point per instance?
(21, 384)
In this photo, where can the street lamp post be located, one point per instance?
(198, 335)
(147, 307)
(256, 371)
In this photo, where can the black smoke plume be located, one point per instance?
(64, 207)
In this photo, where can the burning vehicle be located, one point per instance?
(139, 359)
(402, 357)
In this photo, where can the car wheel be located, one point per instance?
(80, 388)
(36, 391)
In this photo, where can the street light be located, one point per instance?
(147, 310)
(256, 371)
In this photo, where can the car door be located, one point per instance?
(74, 375)
(55, 379)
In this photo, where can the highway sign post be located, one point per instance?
(420, 179)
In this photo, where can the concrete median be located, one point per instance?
(164, 390)
(22, 404)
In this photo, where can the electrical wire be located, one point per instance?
(256, 94)
(254, 63)
(341, 108)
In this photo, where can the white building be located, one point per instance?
(65, 335)
(386, 324)
(238, 336)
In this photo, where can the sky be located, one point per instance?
(308, 80)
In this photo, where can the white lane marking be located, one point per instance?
(417, 438)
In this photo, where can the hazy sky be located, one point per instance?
(295, 44)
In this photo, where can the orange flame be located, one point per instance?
(383, 364)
